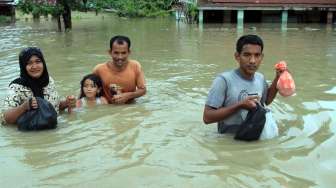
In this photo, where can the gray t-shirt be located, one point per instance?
(229, 88)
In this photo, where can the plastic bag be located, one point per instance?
(270, 129)
(44, 117)
(253, 125)
(285, 84)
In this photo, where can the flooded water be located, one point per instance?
(161, 141)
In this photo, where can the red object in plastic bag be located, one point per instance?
(286, 84)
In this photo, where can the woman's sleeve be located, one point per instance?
(15, 97)
(52, 95)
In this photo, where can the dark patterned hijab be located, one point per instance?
(35, 84)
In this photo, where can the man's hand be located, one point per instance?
(121, 98)
(250, 102)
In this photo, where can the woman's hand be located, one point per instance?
(30, 104)
(33, 104)
(71, 101)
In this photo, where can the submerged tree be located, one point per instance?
(56, 8)
(141, 8)
(66, 13)
(62, 8)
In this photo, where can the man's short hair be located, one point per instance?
(248, 39)
(120, 39)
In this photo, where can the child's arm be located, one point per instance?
(78, 103)
(103, 100)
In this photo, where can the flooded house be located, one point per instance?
(7, 8)
(282, 11)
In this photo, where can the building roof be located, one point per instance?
(267, 4)
(321, 2)
(6, 2)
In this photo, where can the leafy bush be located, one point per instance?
(39, 7)
(140, 8)
(132, 8)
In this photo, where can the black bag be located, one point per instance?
(253, 125)
(44, 117)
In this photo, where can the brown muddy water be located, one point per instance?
(161, 141)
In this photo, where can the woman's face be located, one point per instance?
(34, 67)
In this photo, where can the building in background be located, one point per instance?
(282, 11)
(7, 8)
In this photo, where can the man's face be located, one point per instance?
(249, 59)
(119, 54)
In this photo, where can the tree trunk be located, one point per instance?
(36, 17)
(59, 24)
(67, 15)
(85, 8)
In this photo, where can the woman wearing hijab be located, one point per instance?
(34, 81)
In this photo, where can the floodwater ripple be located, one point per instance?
(161, 140)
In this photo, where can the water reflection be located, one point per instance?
(161, 140)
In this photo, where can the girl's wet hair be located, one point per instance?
(96, 81)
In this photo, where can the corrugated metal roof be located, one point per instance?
(6, 2)
(266, 4)
(322, 2)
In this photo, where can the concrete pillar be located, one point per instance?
(240, 19)
(330, 17)
(177, 15)
(12, 14)
(200, 16)
(284, 19)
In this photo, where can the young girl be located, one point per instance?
(91, 91)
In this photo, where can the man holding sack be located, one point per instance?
(235, 93)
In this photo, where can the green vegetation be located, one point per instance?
(38, 8)
(131, 8)
(191, 13)
(5, 19)
(128, 8)
(141, 8)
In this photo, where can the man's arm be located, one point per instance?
(125, 97)
(140, 91)
(212, 115)
(272, 90)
